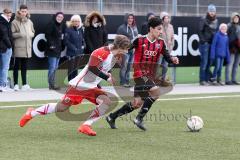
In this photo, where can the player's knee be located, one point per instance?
(155, 92)
(61, 107)
(137, 104)
(156, 96)
(107, 101)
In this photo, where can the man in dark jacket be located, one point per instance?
(5, 48)
(207, 28)
(144, 27)
(54, 36)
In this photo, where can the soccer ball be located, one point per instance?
(195, 123)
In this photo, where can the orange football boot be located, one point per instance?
(26, 117)
(86, 129)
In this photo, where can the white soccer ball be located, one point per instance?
(195, 123)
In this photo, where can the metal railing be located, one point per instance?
(119, 7)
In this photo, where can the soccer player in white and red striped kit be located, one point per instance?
(84, 86)
(148, 49)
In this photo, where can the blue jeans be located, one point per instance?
(205, 73)
(52, 67)
(4, 66)
(125, 68)
(232, 67)
(164, 68)
(217, 72)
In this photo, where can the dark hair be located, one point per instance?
(154, 22)
(7, 10)
(23, 6)
(132, 15)
(98, 17)
(56, 14)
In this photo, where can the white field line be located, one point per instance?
(167, 99)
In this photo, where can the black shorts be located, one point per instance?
(142, 87)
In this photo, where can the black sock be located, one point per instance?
(145, 108)
(126, 108)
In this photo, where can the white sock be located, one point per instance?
(90, 121)
(45, 109)
(96, 114)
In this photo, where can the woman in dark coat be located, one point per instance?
(74, 41)
(54, 36)
(95, 34)
(234, 46)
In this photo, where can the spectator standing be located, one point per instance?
(95, 34)
(129, 29)
(5, 48)
(144, 27)
(23, 32)
(219, 52)
(234, 46)
(54, 35)
(168, 36)
(74, 41)
(207, 28)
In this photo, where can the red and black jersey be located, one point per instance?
(147, 55)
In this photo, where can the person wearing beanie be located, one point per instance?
(234, 46)
(211, 8)
(144, 27)
(168, 36)
(207, 28)
(54, 34)
(74, 41)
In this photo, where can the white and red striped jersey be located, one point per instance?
(103, 59)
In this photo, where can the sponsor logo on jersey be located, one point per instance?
(67, 99)
(150, 53)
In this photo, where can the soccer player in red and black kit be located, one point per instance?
(148, 49)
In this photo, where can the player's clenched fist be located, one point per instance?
(111, 79)
(175, 60)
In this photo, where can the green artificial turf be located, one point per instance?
(50, 138)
